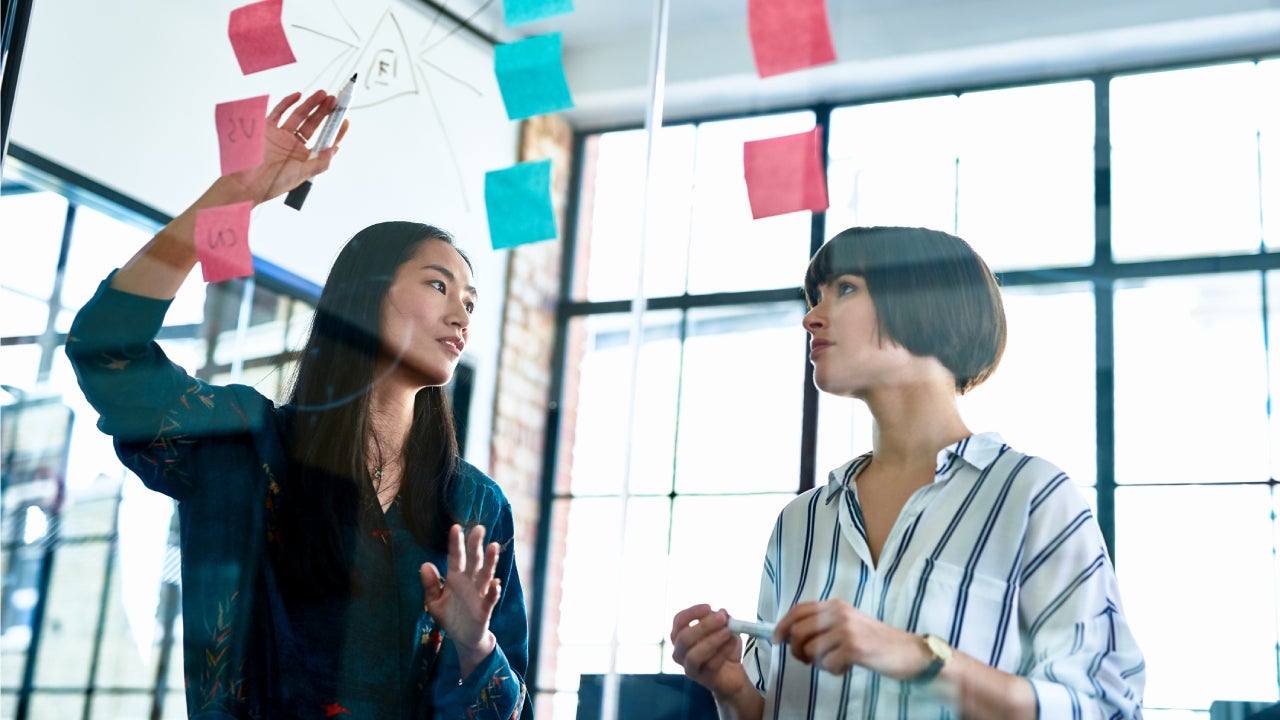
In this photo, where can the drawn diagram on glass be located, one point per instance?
(388, 68)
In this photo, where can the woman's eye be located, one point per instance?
(471, 307)
(437, 284)
(845, 288)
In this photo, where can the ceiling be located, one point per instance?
(884, 47)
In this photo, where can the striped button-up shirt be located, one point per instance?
(1000, 556)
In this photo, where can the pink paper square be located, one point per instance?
(222, 241)
(241, 124)
(257, 36)
(789, 35)
(785, 174)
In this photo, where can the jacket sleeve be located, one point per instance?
(155, 412)
(495, 690)
(1083, 661)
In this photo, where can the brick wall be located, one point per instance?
(524, 361)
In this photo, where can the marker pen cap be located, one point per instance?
(298, 195)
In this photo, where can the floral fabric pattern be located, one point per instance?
(249, 652)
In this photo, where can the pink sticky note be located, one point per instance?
(785, 174)
(240, 131)
(257, 36)
(789, 35)
(222, 241)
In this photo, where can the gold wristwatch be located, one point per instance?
(940, 653)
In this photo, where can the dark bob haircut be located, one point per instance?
(933, 294)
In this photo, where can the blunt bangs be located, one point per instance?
(933, 294)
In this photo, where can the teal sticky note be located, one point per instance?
(520, 12)
(518, 203)
(531, 76)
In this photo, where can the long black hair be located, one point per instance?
(329, 489)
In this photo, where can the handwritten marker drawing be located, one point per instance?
(222, 242)
(389, 68)
(240, 133)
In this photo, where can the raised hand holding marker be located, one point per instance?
(328, 132)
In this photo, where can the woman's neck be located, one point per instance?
(914, 422)
(390, 417)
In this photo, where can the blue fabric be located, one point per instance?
(249, 651)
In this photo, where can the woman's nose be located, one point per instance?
(812, 320)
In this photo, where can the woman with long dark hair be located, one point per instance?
(339, 558)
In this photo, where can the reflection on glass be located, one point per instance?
(23, 315)
(111, 705)
(19, 365)
(99, 244)
(1184, 555)
(557, 705)
(613, 214)
(602, 573)
(1190, 380)
(1269, 143)
(55, 705)
(1273, 372)
(741, 389)
(102, 498)
(34, 221)
(717, 552)
(844, 432)
(598, 386)
(709, 549)
(255, 352)
(1184, 160)
(1041, 398)
(731, 251)
(1025, 182)
(893, 163)
(77, 575)
(132, 637)
(92, 455)
(1010, 171)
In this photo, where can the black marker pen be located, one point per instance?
(297, 195)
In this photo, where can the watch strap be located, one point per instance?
(936, 661)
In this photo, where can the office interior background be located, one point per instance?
(1118, 165)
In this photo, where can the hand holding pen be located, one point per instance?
(764, 631)
(709, 649)
(332, 130)
(286, 161)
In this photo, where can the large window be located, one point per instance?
(90, 624)
(1133, 221)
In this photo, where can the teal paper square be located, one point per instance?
(521, 12)
(531, 76)
(518, 203)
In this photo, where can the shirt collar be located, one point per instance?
(978, 451)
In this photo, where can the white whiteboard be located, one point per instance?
(124, 94)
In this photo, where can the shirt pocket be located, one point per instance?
(968, 609)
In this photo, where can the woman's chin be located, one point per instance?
(421, 375)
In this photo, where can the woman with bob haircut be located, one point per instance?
(944, 573)
(339, 558)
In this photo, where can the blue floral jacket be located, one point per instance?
(249, 651)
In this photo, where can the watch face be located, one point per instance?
(938, 647)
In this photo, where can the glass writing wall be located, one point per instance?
(1136, 251)
(90, 624)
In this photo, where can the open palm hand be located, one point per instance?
(463, 601)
